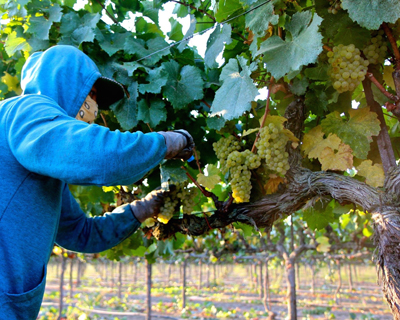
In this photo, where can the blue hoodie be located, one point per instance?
(42, 149)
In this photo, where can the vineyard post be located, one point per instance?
(208, 274)
(261, 293)
(337, 292)
(71, 279)
(350, 276)
(200, 274)
(148, 290)
(120, 279)
(184, 283)
(78, 280)
(61, 300)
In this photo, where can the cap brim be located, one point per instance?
(108, 92)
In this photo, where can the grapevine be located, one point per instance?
(348, 68)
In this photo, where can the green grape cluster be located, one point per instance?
(272, 147)
(335, 6)
(181, 196)
(376, 50)
(348, 68)
(168, 209)
(223, 148)
(239, 165)
(187, 196)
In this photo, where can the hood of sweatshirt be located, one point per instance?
(62, 73)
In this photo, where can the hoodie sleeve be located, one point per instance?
(45, 140)
(79, 233)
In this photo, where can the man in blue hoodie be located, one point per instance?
(43, 148)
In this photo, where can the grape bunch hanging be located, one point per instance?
(271, 150)
(180, 199)
(347, 67)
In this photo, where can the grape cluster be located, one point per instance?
(335, 6)
(272, 147)
(348, 68)
(187, 197)
(181, 196)
(376, 50)
(239, 165)
(223, 148)
(168, 209)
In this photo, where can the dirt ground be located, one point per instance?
(233, 296)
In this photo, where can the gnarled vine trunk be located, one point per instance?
(303, 187)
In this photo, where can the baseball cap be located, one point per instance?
(109, 91)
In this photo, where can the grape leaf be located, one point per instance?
(156, 79)
(149, 11)
(314, 142)
(171, 171)
(176, 30)
(131, 67)
(357, 131)
(215, 123)
(153, 114)
(126, 109)
(343, 30)
(234, 97)
(215, 44)
(318, 73)
(301, 48)
(318, 216)
(110, 42)
(184, 86)
(250, 131)
(15, 43)
(76, 30)
(323, 244)
(12, 82)
(273, 183)
(387, 76)
(227, 8)
(299, 86)
(40, 26)
(142, 49)
(258, 20)
(208, 181)
(371, 14)
(340, 160)
(374, 174)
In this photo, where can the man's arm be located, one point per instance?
(80, 233)
(45, 140)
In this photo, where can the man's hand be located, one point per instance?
(179, 143)
(149, 206)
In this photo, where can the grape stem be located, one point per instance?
(392, 41)
(151, 130)
(197, 160)
(381, 88)
(327, 48)
(253, 149)
(104, 120)
(223, 207)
